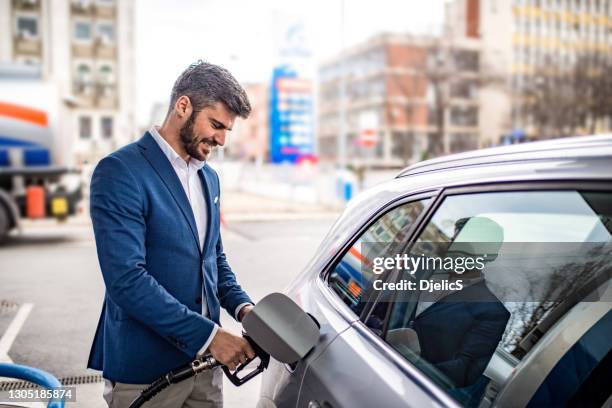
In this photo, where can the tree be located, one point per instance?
(440, 69)
(406, 86)
(453, 71)
(549, 296)
(563, 101)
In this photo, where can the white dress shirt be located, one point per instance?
(187, 172)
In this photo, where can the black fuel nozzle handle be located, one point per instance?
(263, 364)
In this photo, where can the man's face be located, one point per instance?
(206, 129)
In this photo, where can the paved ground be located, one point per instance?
(55, 269)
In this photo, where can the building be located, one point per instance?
(520, 40)
(250, 140)
(384, 95)
(86, 48)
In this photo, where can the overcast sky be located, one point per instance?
(243, 35)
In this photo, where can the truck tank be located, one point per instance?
(32, 177)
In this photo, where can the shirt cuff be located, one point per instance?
(240, 306)
(209, 340)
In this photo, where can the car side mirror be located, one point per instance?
(281, 328)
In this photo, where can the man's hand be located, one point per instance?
(243, 312)
(230, 350)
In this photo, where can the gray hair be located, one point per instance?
(206, 84)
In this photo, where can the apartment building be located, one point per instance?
(520, 37)
(85, 48)
(395, 88)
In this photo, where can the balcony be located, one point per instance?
(84, 92)
(83, 50)
(106, 95)
(105, 48)
(105, 11)
(28, 5)
(82, 7)
(27, 44)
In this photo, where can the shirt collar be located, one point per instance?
(170, 153)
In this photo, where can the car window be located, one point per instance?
(534, 255)
(348, 277)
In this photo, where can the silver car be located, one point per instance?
(539, 332)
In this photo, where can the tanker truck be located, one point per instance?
(33, 175)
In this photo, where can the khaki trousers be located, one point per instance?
(205, 390)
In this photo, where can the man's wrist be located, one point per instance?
(204, 349)
(244, 310)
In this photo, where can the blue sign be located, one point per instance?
(291, 117)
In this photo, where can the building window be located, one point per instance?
(106, 75)
(27, 27)
(82, 31)
(462, 142)
(466, 60)
(83, 78)
(84, 72)
(106, 127)
(403, 146)
(106, 33)
(464, 89)
(464, 116)
(85, 127)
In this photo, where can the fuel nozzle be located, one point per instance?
(250, 368)
(204, 363)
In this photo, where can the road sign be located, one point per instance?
(367, 138)
(368, 125)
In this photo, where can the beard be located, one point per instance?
(191, 142)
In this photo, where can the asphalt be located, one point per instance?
(54, 267)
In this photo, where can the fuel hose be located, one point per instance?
(173, 377)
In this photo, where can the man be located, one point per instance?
(457, 331)
(155, 212)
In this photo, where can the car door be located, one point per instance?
(357, 368)
(419, 347)
(281, 383)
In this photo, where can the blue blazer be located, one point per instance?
(153, 267)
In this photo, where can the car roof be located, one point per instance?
(550, 150)
(574, 160)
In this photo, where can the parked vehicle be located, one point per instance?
(540, 334)
(32, 173)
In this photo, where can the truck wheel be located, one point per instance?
(4, 224)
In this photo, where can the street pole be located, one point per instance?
(342, 96)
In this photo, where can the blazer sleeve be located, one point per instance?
(231, 295)
(117, 208)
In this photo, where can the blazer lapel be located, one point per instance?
(164, 169)
(209, 204)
